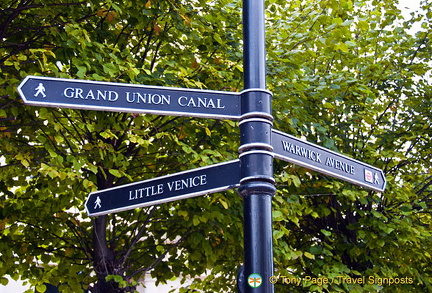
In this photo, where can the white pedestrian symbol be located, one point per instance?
(40, 90)
(376, 179)
(97, 203)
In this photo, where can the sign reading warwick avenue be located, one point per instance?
(294, 150)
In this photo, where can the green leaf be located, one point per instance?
(308, 255)
(278, 216)
(363, 25)
(41, 288)
(223, 203)
(116, 173)
(342, 47)
(195, 220)
(326, 233)
(4, 281)
(218, 38)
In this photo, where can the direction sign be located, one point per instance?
(294, 150)
(195, 182)
(132, 98)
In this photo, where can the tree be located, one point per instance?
(52, 158)
(352, 78)
(344, 75)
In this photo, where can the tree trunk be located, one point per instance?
(103, 258)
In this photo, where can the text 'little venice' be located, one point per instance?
(172, 186)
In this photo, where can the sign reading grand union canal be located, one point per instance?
(132, 98)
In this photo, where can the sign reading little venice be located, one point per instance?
(195, 182)
(294, 150)
(132, 98)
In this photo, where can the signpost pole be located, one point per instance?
(256, 156)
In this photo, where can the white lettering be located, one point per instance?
(112, 96)
(79, 93)
(145, 192)
(200, 102)
(180, 101)
(339, 165)
(68, 92)
(142, 98)
(211, 104)
(101, 95)
(187, 183)
(301, 151)
(147, 98)
(128, 98)
(89, 94)
(192, 103)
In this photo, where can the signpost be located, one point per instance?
(191, 183)
(257, 183)
(303, 153)
(252, 173)
(132, 98)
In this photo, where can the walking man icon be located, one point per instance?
(98, 203)
(40, 90)
(376, 181)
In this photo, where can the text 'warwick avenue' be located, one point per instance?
(294, 150)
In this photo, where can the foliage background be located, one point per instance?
(345, 75)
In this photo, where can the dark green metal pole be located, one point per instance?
(256, 157)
